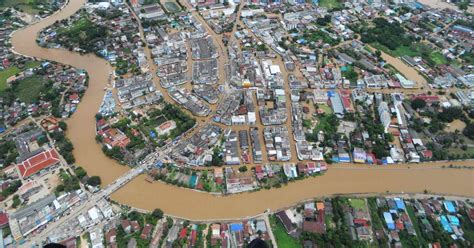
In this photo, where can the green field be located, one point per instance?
(281, 236)
(357, 203)
(28, 89)
(11, 71)
(438, 58)
(4, 75)
(28, 6)
(171, 7)
(416, 50)
(330, 4)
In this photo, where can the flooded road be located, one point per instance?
(196, 205)
(409, 72)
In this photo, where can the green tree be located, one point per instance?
(62, 125)
(418, 103)
(94, 181)
(157, 213)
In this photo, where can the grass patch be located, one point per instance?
(438, 58)
(12, 71)
(357, 203)
(172, 7)
(330, 4)
(327, 110)
(4, 75)
(282, 238)
(28, 6)
(28, 89)
(417, 225)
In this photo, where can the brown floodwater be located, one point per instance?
(340, 179)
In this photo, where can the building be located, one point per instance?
(38, 163)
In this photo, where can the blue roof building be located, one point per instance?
(454, 220)
(236, 227)
(400, 203)
(445, 224)
(389, 220)
(449, 206)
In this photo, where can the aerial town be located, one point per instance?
(237, 123)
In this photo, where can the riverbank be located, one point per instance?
(340, 179)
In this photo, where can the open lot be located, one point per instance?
(29, 6)
(171, 7)
(282, 238)
(11, 71)
(330, 4)
(28, 89)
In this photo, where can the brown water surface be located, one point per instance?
(197, 205)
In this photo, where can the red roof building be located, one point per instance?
(146, 231)
(38, 163)
(3, 220)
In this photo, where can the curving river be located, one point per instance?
(340, 179)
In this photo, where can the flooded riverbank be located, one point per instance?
(197, 205)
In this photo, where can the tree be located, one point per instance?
(80, 172)
(378, 53)
(16, 201)
(94, 181)
(469, 130)
(62, 125)
(243, 168)
(157, 213)
(418, 103)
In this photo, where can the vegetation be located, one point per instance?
(83, 33)
(94, 181)
(16, 201)
(330, 4)
(390, 35)
(8, 152)
(80, 172)
(27, 90)
(183, 121)
(327, 123)
(12, 188)
(418, 103)
(68, 183)
(281, 236)
(350, 74)
(64, 146)
(337, 236)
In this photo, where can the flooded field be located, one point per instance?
(196, 205)
(443, 4)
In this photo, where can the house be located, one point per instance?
(3, 220)
(135, 226)
(314, 227)
(38, 163)
(285, 220)
(49, 124)
(111, 236)
(126, 226)
(146, 231)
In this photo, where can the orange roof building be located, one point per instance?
(38, 162)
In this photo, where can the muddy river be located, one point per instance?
(196, 205)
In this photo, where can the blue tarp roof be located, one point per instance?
(449, 206)
(400, 203)
(236, 227)
(445, 224)
(453, 220)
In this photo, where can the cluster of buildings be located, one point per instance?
(380, 220)
(32, 218)
(136, 91)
